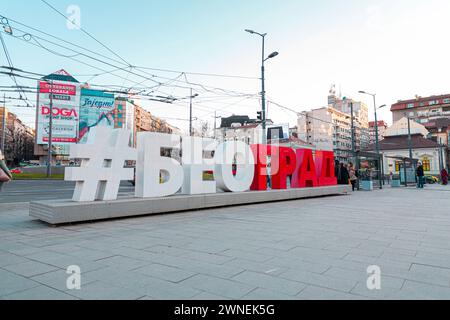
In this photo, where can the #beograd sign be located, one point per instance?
(235, 166)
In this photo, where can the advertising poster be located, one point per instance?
(65, 111)
(96, 109)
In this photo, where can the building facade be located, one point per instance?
(396, 145)
(421, 109)
(331, 129)
(382, 127)
(18, 138)
(129, 115)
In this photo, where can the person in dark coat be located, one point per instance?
(344, 175)
(444, 176)
(420, 176)
(337, 170)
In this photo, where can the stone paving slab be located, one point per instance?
(67, 211)
(306, 249)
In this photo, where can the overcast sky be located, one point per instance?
(396, 49)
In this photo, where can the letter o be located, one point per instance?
(240, 154)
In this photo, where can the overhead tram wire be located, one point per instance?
(200, 73)
(301, 113)
(8, 58)
(37, 79)
(126, 64)
(147, 98)
(205, 87)
(139, 96)
(165, 100)
(158, 83)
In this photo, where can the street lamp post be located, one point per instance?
(215, 122)
(263, 92)
(50, 133)
(4, 124)
(377, 142)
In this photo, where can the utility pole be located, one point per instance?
(308, 128)
(263, 92)
(4, 124)
(191, 132)
(377, 140)
(215, 124)
(50, 133)
(190, 114)
(409, 139)
(353, 133)
(410, 150)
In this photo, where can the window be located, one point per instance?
(426, 165)
(447, 100)
(410, 105)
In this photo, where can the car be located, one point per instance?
(16, 171)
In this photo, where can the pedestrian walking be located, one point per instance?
(5, 174)
(353, 176)
(344, 176)
(420, 176)
(444, 176)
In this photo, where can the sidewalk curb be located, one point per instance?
(13, 206)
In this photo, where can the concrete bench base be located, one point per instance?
(66, 211)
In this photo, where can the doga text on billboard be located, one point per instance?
(168, 164)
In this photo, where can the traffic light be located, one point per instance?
(260, 115)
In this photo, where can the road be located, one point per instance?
(34, 190)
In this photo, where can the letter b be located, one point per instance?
(156, 175)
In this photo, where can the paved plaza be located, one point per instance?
(308, 249)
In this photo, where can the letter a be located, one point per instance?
(305, 173)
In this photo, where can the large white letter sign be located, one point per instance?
(195, 165)
(102, 164)
(235, 166)
(157, 176)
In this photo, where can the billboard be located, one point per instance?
(65, 98)
(96, 110)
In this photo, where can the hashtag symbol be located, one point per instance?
(102, 164)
